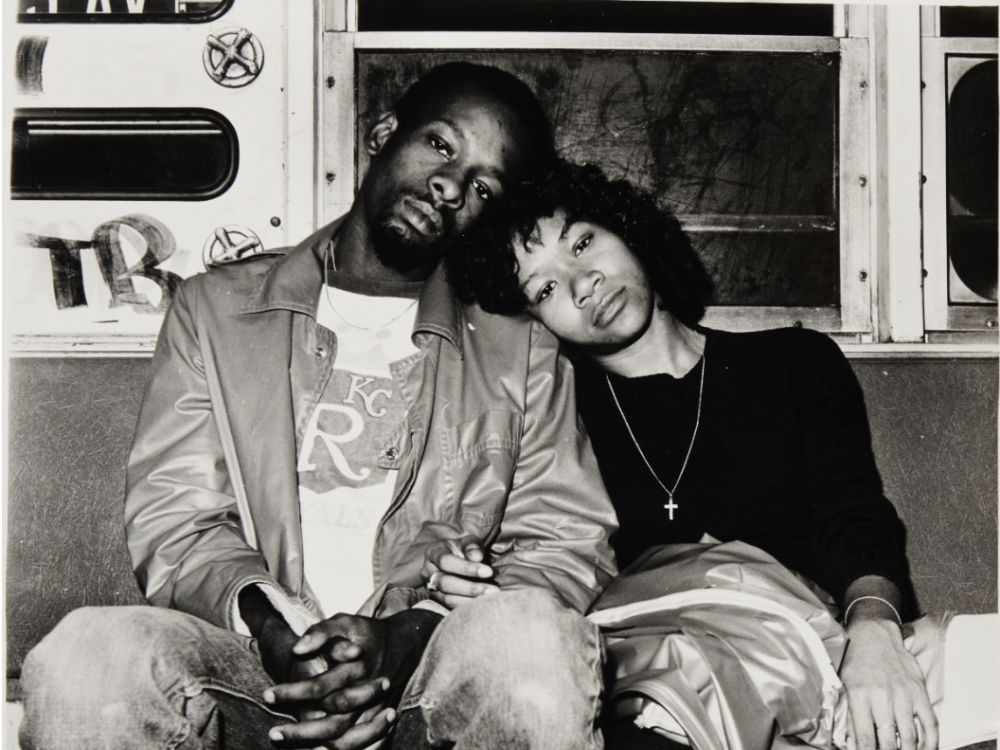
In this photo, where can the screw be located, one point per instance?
(862, 275)
(275, 221)
(330, 82)
(330, 177)
(862, 180)
(863, 85)
(991, 323)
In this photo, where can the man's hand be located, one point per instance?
(275, 639)
(454, 571)
(372, 661)
(885, 690)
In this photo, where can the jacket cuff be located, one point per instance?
(298, 617)
(432, 606)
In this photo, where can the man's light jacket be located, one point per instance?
(491, 446)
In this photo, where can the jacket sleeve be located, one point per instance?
(557, 526)
(182, 525)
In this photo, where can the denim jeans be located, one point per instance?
(510, 670)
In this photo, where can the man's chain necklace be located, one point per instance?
(328, 261)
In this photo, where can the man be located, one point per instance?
(312, 423)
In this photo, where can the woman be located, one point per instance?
(759, 437)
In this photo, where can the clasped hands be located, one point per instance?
(344, 677)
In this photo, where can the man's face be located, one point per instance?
(432, 179)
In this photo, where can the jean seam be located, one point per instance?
(202, 684)
(427, 708)
(236, 693)
(595, 669)
(184, 732)
(181, 737)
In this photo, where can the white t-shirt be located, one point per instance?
(343, 492)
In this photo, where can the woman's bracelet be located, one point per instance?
(886, 602)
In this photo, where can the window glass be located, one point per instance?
(740, 146)
(120, 10)
(596, 15)
(968, 21)
(149, 154)
(973, 113)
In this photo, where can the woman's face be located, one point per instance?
(584, 283)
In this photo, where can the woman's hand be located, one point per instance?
(885, 690)
(454, 571)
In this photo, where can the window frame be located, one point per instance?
(340, 50)
(944, 321)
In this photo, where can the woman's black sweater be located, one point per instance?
(782, 458)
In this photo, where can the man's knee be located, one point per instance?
(519, 652)
(523, 626)
(93, 634)
(106, 676)
(514, 669)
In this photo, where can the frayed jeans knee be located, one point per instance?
(511, 670)
(143, 677)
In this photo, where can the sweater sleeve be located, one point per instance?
(857, 528)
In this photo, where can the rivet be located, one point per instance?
(330, 82)
(275, 221)
(320, 352)
(862, 180)
(330, 177)
(991, 323)
(862, 275)
(391, 454)
(863, 85)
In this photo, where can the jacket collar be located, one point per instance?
(294, 282)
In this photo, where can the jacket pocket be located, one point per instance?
(479, 456)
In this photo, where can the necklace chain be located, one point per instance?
(670, 493)
(328, 260)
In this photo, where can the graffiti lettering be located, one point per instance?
(107, 6)
(106, 242)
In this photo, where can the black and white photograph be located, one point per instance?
(480, 374)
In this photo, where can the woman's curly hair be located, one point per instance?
(482, 267)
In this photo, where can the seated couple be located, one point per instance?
(331, 430)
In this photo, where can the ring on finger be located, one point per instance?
(877, 726)
(434, 582)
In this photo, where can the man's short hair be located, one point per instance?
(452, 79)
(483, 267)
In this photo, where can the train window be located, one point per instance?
(972, 182)
(155, 11)
(968, 21)
(605, 16)
(107, 154)
(742, 147)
